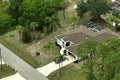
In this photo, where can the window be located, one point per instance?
(68, 43)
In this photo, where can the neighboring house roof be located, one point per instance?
(115, 5)
(118, 0)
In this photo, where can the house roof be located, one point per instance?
(82, 29)
(73, 49)
(79, 35)
(99, 38)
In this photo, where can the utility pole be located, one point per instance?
(0, 60)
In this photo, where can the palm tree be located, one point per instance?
(48, 48)
(19, 29)
(55, 22)
(33, 25)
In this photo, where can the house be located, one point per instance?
(115, 5)
(70, 41)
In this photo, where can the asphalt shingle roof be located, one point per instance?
(79, 35)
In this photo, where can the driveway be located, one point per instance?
(24, 69)
(16, 76)
(51, 67)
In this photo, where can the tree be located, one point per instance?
(88, 51)
(41, 12)
(91, 7)
(81, 9)
(48, 47)
(6, 23)
(59, 5)
(54, 22)
(19, 29)
(15, 9)
(117, 77)
(33, 25)
(26, 35)
(105, 64)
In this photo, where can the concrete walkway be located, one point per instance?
(23, 68)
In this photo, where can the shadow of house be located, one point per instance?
(70, 41)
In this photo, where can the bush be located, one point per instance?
(26, 35)
(37, 53)
(117, 27)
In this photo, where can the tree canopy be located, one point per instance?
(41, 12)
(105, 64)
(94, 7)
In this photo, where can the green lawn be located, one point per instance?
(69, 72)
(6, 71)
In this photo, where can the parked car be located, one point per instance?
(93, 26)
(60, 59)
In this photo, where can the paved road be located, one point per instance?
(25, 70)
(51, 67)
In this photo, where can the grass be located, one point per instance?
(67, 73)
(6, 71)
(50, 54)
(19, 52)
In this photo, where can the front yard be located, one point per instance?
(70, 72)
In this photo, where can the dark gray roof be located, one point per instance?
(73, 49)
(78, 30)
(79, 36)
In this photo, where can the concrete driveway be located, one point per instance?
(51, 67)
(16, 76)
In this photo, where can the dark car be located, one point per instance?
(93, 26)
(59, 60)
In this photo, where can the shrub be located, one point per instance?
(37, 53)
(117, 27)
